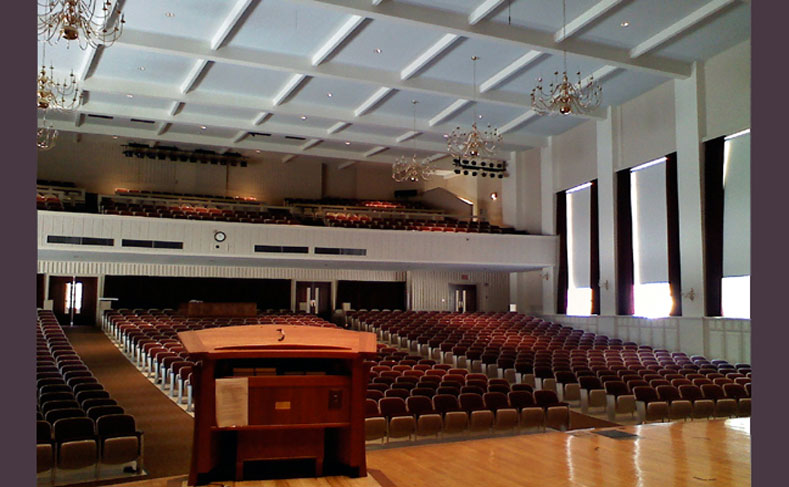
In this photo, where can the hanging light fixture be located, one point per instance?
(91, 23)
(411, 168)
(46, 135)
(473, 144)
(53, 94)
(564, 97)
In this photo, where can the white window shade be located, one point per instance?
(650, 223)
(737, 206)
(579, 209)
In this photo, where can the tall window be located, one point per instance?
(651, 288)
(73, 297)
(736, 282)
(579, 211)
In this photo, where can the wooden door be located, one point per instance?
(317, 295)
(74, 299)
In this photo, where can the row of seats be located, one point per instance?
(376, 204)
(149, 339)
(78, 424)
(170, 194)
(53, 202)
(445, 224)
(522, 349)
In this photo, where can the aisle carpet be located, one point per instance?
(167, 428)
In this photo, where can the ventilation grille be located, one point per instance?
(151, 244)
(61, 239)
(339, 251)
(281, 249)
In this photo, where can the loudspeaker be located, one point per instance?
(405, 193)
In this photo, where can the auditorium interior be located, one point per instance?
(513, 237)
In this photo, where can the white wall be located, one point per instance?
(574, 156)
(727, 83)
(429, 290)
(644, 127)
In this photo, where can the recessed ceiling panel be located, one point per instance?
(550, 125)
(345, 95)
(120, 62)
(288, 28)
(487, 114)
(380, 130)
(400, 104)
(464, 7)
(624, 85)
(542, 15)
(232, 78)
(399, 45)
(298, 123)
(189, 129)
(192, 19)
(545, 68)
(458, 67)
(244, 115)
(64, 60)
(703, 41)
(122, 100)
(645, 17)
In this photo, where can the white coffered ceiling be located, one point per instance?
(240, 67)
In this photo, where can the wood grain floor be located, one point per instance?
(699, 453)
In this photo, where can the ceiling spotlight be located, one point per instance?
(303, 117)
(479, 116)
(114, 136)
(347, 143)
(330, 94)
(203, 127)
(257, 151)
(625, 23)
(378, 50)
(141, 68)
(129, 95)
(169, 14)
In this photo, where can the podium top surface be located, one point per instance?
(281, 341)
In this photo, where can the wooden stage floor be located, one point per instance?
(697, 453)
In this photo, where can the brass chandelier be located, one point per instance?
(411, 168)
(473, 143)
(563, 97)
(91, 23)
(57, 95)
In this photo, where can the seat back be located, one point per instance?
(495, 400)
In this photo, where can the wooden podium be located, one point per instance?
(270, 392)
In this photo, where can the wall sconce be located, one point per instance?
(690, 294)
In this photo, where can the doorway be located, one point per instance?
(74, 299)
(314, 298)
(463, 298)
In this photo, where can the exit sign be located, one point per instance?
(464, 277)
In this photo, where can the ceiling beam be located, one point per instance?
(212, 141)
(346, 164)
(291, 86)
(262, 117)
(456, 23)
(375, 150)
(597, 11)
(79, 120)
(432, 52)
(189, 48)
(341, 35)
(245, 102)
(198, 70)
(176, 108)
(310, 144)
(510, 70)
(483, 10)
(288, 158)
(377, 2)
(337, 127)
(407, 136)
(223, 123)
(448, 112)
(163, 127)
(240, 12)
(518, 121)
(240, 135)
(370, 103)
(92, 56)
(679, 27)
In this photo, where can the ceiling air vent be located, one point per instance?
(142, 121)
(339, 251)
(70, 240)
(105, 117)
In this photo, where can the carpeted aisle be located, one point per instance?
(167, 428)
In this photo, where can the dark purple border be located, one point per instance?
(769, 173)
(19, 244)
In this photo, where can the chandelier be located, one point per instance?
(80, 20)
(46, 135)
(473, 143)
(411, 168)
(564, 97)
(58, 95)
